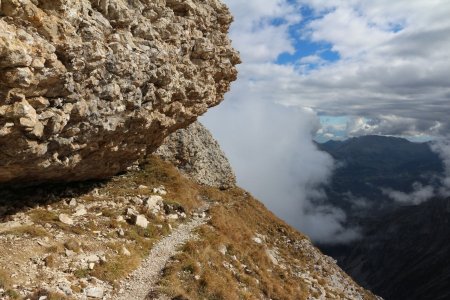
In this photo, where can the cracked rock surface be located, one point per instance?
(195, 152)
(88, 87)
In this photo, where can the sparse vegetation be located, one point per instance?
(224, 263)
(28, 230)
(5, 279)
(117, 268)
(243, 273)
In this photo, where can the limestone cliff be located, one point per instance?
(197, 154)
(88, 87)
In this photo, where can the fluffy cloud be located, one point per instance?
(394, 65)
(419, 194)
(270, 145)
(422, 193)
(255, 33)
(391, 78)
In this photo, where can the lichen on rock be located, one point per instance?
(88, 87)
(197, 154)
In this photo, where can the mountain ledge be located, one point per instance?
(89, 87)
(154, 233)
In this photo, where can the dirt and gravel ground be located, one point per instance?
(143, 280)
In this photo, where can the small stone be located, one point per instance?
(80, 211)
(43, 244)
(91, 266)
(153, 201)
(197, 277)
(43, 298)
(137, 201)
(69, 253)
(65, 288)
(161, 190)
(172, 217)
(93, 259)
(120, 232)
(125, 251)
(120, 219)
(142, 187)
(94, 292)
(257, 240)
(131, 212)
(223, 249)
(65, 219)
(140, 220)
(73, 202)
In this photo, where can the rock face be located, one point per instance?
(88, 87)
(196, 153)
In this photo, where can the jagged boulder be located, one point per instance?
(197, 154)
(88, 87)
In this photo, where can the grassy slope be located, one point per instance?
(293, 270)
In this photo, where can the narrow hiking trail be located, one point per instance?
(143, 280)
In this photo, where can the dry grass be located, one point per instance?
(5, 279)
(199, 271)
(155, 172)
(117, 268)
(205, 273)
(49, 294)
(28, 230)
(182, 194)
(42, 216)
(6, 283)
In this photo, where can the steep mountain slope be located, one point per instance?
(403, 251)
(404, 254)
(70, 241)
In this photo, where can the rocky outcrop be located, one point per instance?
(88, 87)
(196, 153)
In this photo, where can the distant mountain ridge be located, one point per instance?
(403, 252)
(368, 163)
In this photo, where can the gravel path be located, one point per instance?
(143, 280)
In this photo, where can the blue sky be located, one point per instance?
(375, 66)
(303, 46)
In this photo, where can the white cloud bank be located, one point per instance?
(270, 145)
(392, 78)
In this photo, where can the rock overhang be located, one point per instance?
(89, 87)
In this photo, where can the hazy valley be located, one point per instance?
(401, 251)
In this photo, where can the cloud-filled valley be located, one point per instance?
(373, 67)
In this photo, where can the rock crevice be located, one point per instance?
(89, 87)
